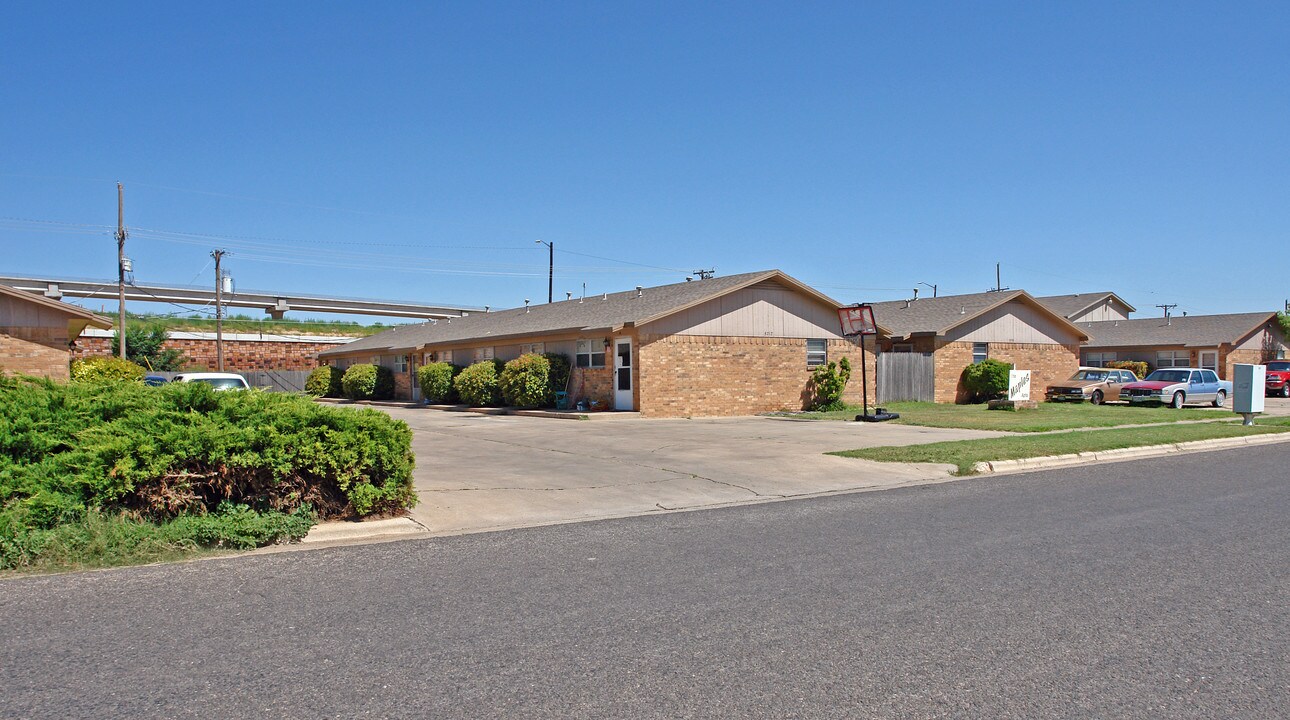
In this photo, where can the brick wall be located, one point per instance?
(698, 375)
(238, 354)
(1047, 364)
(35, 351)
(593, 384)
(1228, 359)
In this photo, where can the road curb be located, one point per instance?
(348, 532)
(1134, 453)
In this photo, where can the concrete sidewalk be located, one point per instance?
(485, 472)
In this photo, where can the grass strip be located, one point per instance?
(1045, 418)
(964, 454)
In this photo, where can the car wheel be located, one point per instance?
(1220, 399)
(1285, 390)
(1097, 397)
(1177, 401)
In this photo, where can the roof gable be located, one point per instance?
(71, 311)
(939, 315)
(1072, 306)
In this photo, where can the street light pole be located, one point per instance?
(550, 271)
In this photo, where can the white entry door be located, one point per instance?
(623, 374)
(1209, 360)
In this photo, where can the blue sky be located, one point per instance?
(411, 151)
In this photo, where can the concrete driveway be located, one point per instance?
(480, 472)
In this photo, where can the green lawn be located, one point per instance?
(1048, 416)
(966, 453)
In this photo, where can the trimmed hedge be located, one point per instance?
(190, 463)
(325, 381)
(368, 382)
(1136, 367)
(106, 369)
(435, 380)
(987, 379)
(526, 381)
(477, 384)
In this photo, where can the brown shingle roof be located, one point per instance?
(595, 312)
(73, 311)
(1069, 306)
(940, 314)
(1187, 331)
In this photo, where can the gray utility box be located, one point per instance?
(1248, 388)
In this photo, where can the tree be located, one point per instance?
(143, 345)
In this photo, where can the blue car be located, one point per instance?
(154, 380)
(1176, 387)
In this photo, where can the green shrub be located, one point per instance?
(106, 369)
(185, 464)
(143, 345)
(1137, 367)
(325, 381)
(986, 380)
(561, 368)
(828, 383)
(477, 384)
(526, 381)
(435, 380)
(368, 382)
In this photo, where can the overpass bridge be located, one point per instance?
(276, 304)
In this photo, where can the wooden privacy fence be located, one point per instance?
(905, 376)
(271, 380)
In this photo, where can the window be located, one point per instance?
(1173, 358)
(443, 356)
(1127, 376)
(590, 353)
(980, 351)
(817, 352)
(535, 348)
(376, 359)
(1210, 376)
(902, 347)
(484, 353)
(401, 363)
(1098, 359)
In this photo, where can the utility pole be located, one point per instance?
(219, 323)
(120, 268)
(550, 269)
(705, 274)
(933, 287)
(1167, 308)
(998, 280)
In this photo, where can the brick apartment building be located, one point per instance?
(36, 333)
(954, 331)
(734, 345)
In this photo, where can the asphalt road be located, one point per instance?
(1153, 589)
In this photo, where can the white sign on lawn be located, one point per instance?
(1018, 384)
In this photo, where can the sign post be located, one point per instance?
(1018, 385)
(857, 321)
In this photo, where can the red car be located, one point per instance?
(1279, 378)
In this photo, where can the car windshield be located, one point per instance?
(1172, 376)
(1279, 366)
(1098, 375)
(224, 383)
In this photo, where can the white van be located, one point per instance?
(219, 381)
